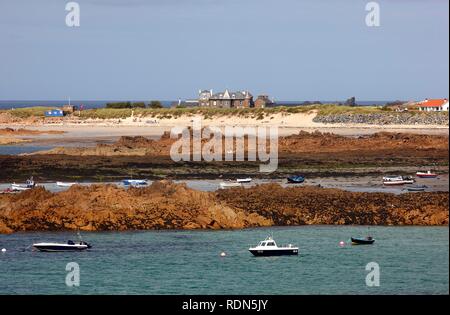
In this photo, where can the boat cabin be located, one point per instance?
(269, 242)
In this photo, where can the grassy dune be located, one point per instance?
(161, 113)
(37, 111)
(258, 113)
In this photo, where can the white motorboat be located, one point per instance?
(392, 178)
(66, 184)
(244, 180)
(29, 184)
(397, 180)
(224, 185)
(62, 247)
(269, 247)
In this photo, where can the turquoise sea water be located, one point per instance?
(412, 260)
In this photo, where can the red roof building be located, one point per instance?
(435, 105)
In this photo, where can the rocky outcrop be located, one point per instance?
(312, 205)
(165, 205)
(396, 118)
(327, 142)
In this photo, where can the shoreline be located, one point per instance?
(286, 122)
(91, 135)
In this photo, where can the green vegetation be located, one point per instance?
(106, 113)
(38, 111)
(121, 105)
(155, 104)
(123, 110)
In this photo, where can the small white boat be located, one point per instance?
(392, 178)
(397, 180)
(269, 247)
(66, 184)
(224, 185)
(62, 247)
(244, 180)
(20, 187)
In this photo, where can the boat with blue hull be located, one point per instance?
(135, 182)
(296, 179)
(269, 247)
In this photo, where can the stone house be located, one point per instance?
(226, 99)
(262, 101)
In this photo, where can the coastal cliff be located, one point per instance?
(166, 205)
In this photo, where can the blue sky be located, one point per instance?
(168, 49)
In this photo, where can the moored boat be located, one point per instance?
(244, 180)
(224, 185)
(397, 180)
(427, 174)
(62, 247)
(296, 179)
(392, 178)
(29, 184)
(417, 188)
(269, 247)
(135, 182)
(363, 241)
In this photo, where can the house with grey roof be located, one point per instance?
(226, 99)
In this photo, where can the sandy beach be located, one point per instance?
(90, 131)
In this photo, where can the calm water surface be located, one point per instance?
(19, 149)
(411, 259)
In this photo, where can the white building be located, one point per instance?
(434, 105)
